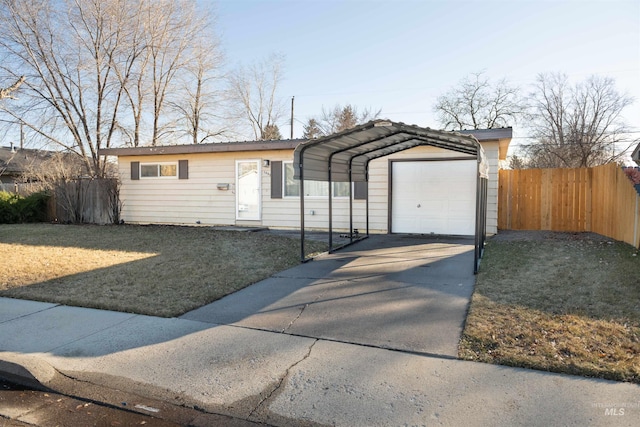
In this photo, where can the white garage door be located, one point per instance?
(434, 197)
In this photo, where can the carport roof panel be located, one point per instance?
(367, 142)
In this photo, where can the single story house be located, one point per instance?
(423, 189)
(15, 161)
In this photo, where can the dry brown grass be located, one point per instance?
(568, 303)
(156, 270)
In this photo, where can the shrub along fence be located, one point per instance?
(92, 201)
(601, 199)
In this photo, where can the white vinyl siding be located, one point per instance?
(198, 199)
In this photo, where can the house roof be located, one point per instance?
(502, 135)
(215, 147)
(345, 156)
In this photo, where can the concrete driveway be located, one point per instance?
(401, 292)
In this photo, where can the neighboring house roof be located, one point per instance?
(14, 161)
(502, 135)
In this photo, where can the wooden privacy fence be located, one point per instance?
(600, 200)
(89, 201)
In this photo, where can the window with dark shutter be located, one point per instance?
(276, 180)
(183, 169)
(135, 170)
(360, 190)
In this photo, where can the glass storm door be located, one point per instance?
(248, 189)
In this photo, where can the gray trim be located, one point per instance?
(135, 171)
(276, 179)
(433, 159)
(183, 169)
(221, 147)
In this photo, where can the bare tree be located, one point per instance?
(253, 90)
(478, 103)
(576, 126)
(8, 92)
(200, 100)
(96, 68)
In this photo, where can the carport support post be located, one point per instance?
(350, 203)
(330, 210)
(302, 254)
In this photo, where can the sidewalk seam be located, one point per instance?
(30, 314)
(94, 333)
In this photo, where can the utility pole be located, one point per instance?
(292, 98)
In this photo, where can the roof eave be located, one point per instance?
(222, 147)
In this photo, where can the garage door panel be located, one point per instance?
(445, 192)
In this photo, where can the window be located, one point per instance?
(311, 188)
(158, 170)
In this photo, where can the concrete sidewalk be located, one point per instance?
(282, 379)
(275, 365)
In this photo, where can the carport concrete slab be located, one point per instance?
(344, 385)
(46, 330)
(14, 308)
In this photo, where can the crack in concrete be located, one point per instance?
(295, 318)
(276, 389)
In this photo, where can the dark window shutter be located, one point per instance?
(276, 180)
(135, 170)
(183, 169)
(360, 190)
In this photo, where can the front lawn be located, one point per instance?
(565, 303)
(156, 270)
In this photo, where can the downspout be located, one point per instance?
(476, 252)
(635, 225)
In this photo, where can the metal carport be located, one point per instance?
(345, 157)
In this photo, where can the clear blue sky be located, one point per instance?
(401, 55)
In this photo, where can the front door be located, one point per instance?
(248, 190)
